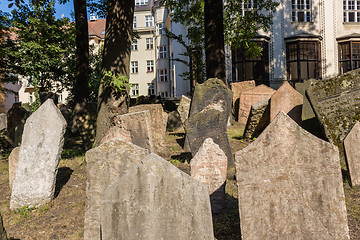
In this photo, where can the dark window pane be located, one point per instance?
(301, 17)
(351, 16)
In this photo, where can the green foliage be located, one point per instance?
(117, 82)
(25, 210)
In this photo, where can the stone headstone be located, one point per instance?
(249, 97)
(5, 142)
(184, 108)
(2, 230)
(104, 165)
(39, 155)
(2, 121)
(259, 119)
(16, 118)
(352, 153)
(117, 132)
(174, 122)
(288, 100)
(157, 123)
(209, 166)
(288, 190)
(13, 160)
(302, 87)
(156, 200)
(336, 103)
(210, 110)
(237, 88)
(138, 124)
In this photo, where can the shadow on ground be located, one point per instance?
(62, 177)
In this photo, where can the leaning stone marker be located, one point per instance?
(13, 160)
(39, 155)
(288, 190)
(237, 88)
(336, 102)
(156, 200)
(2, 230)
(104, 165)
(209, 167)
(16, 118)
(258, 120)
(288, 100)
(184, 108)
(250, 97)
(116, 132)
(352, 153)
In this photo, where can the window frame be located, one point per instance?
(134, 45)
(134, 22)
(151, 89)
(351, 9)
(134, 67)
(134, 89)
(301, 11)
(148, 21)
(162, 75)
(160, 29)
(351, 59)
(149, 45)
(149, 66)
(162, 51)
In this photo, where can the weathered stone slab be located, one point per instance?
(13, 160)
(156, 200)
(336, 102)
(16, 118)
(249, 97)
(237, 88)
(104, 165)
(258, 120)
(174, 122)
(2, 230)
(2, 121)
(157, 123)
(288, 100)
(39, 155)
(210, 110)
(352, 153)
(139, 126)
(209, 166)
(288, 190)
(5, 142)
(117, 132)
(301, 87)
(184, 108)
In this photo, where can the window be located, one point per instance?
(151, 89)
(141, 2)
(246, 67)
(148, 21)
(351, 11)
(134, 45)
(303, 60)
(247, 6)
(349, 56)
(149, 66)
(31, 98)
(134, 22)
(162, 52)
(149, 43)
(162, 75)
(164, 94)
(135, 89)
(134, 67)
(160, 29)
(59, 96)
(301, 10)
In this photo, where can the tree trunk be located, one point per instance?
(214, 40)
(116, 58)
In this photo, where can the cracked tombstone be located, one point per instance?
(209, 167)
(39, 155)
(156, 200)
(104, 165)
(352, 153)
(288, 190)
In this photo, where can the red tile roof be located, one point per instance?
(97, 28)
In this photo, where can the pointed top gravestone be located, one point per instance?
(352, 153)
(156, 200)
(39, 155)
(288, 190)
(287, 99)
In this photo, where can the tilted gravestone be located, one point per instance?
(104, 165)
(184, 108)
(39, 155)
(209, 167)
(352, 153)
(13, 160)
(156, 200)
(249, 97)
(237, 88)
(288, 100)
(16, 118)
(288, 190)
(2, 121)
(336, 103)
(210, 110)
(138, 124)
(258, 120)
(116, 132)
(174, 122)
(2, 230)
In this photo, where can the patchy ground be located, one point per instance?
(63, 218)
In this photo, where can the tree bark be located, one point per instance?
(116, 58)
(214, 40)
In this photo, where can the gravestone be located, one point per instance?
(138, 124)
(2, 121)
(156, 200)
(258, 120)
(210, 110)
(116, 132)
(249, 97)
(104, 165)
(39, 155)
(352, 153)
(184, 108)
(2, 230)
(288, 190)
(288, 100)
(174, 123)
(16, 118)
(5, 142)
(302, 87)
(336, 103)
(158, 122)
(13, 160)
(237, 88)
(209, 167)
